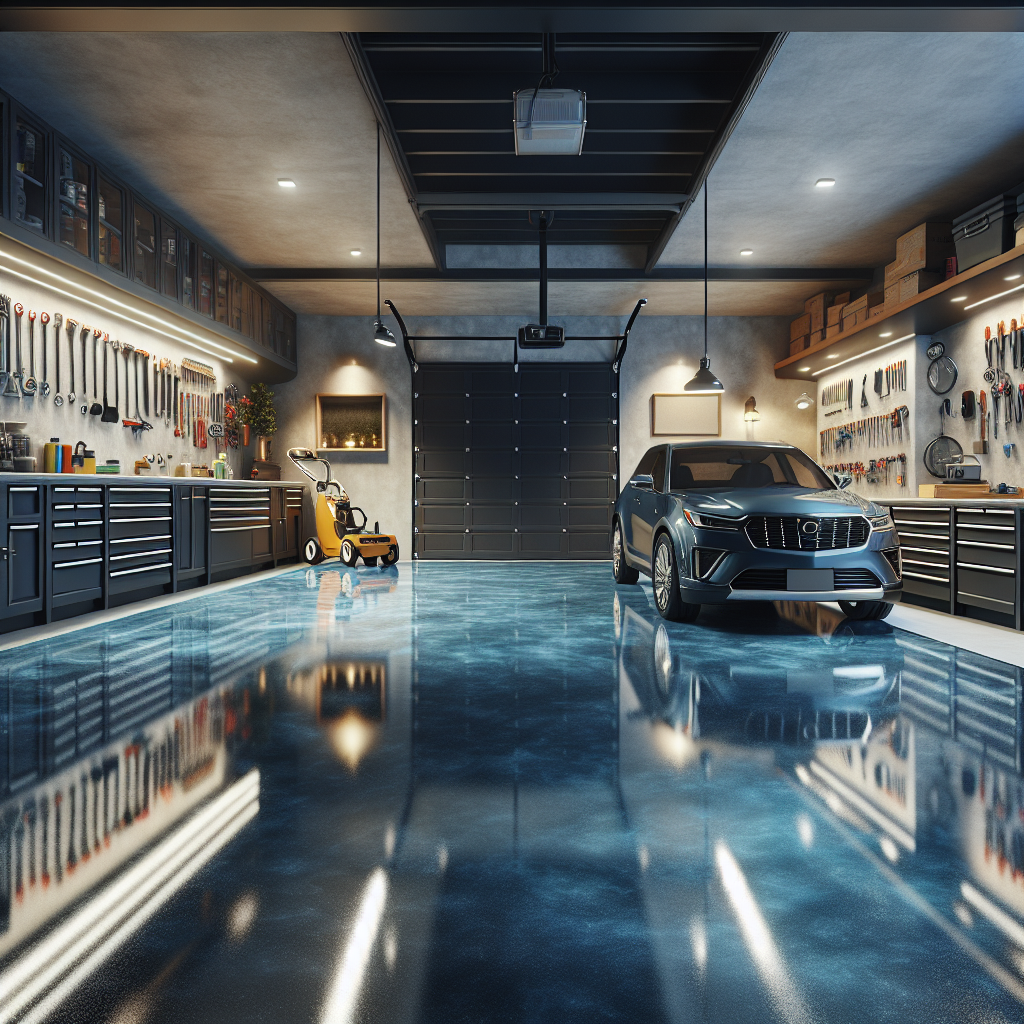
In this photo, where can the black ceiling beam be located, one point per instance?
(583, 16)
(777, 274)
(550, 200)
(757, 72)
(380, 112)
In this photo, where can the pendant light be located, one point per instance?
(381, 334)
(704, 382)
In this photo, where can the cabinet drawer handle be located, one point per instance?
(143, 519)
(34, 526)
(142, 568)
(985, 568)
(139, 554)
(139, 540)
(136, 490)
(82, 561)
(78, 544)
(236, 529)
(23, 490)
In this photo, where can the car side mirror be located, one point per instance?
(842, 482)
(644, 481)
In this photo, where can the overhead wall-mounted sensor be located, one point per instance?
(549, 121)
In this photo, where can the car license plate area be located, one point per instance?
(809, 579)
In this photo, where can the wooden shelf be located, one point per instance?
(927, 313)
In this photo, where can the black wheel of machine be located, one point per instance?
(312, 552)
(865, 610)
(370, 561)
(391, 557)
(666, 585)
(622, 572)
(349, 552)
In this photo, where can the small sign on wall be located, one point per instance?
(686, 415)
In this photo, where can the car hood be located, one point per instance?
(779, 501)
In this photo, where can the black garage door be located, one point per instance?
(515, 465)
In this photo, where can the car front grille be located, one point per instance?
(775, 579)
(892, 556)
(796, 534)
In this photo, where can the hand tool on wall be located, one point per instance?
(1014, 342)
(31, 385)
(58, 321)
(864, 392)
(967, 405)
(96, 409)
(71, 326)
(5, 341)
(84, 407)
(145, 380)
(127, 421)
(44, 319)
(13, 389)
(138, 414)
(109, 411)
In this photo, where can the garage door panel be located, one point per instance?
(490, 515)
(496, 381)
(541, 488)
(441, 463)
(442, 435)
(491, 543)
(535, 381)
(591, 489)
(491, 435)
(441, 543)
(540, 409)
(491, 463)
(594, 545)
(590, 409)
(591, 435)
(540, 435)
(541, 462)
(441, 489)
(497, 488)
(492, 408)
(442, 515)
(441, 408)
(598, 382)
(591, 462)
(598, 516)
(435, 381)
(534, 516)
(549, 544)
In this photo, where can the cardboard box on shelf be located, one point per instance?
(876, 311)
(798, 345)
(816, 306)
(855, 306)
(832, 330)
(841, 299)
(816, 336)
(920, 281)
(835, 315)
(926, 247)
(854, 318)
(892, 294)
(800, 326)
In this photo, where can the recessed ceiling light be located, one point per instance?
(286, 183)
(356, 252)
(824, 182)
(803, 369)
(1012, 277)
(750, 252)
(887, 334)
(832, 356)
(959, 298)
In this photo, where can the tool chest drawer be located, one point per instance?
(139, 526)
(76, 506)
(986, 559)
(232, 512)
(133, 496)
(77, 529)
(925, 547)
(79, 576)
(24, 502)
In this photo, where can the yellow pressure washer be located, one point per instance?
(337, 533)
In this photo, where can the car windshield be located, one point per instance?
(721, 467)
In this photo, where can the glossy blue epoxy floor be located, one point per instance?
(506, 792)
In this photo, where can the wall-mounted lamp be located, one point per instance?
(804, 401)
(750, 413)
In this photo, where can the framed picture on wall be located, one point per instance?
(350, 423)
(686, 415)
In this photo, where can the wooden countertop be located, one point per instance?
(75, 479)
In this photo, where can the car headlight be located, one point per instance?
(882, 523)
(706, 522)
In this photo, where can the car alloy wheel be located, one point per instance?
(663, 576)
(621, 570)
(617, 549)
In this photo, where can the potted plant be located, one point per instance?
(244, 413)
(262, 419)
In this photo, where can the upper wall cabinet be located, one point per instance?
(54, 190)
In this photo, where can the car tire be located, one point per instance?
(622, 572)
(864, 611)
(312, 552)
(391, 557)
(665, 577)
(349, 552)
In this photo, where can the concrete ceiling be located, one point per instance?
(912, 126)
(205, 124)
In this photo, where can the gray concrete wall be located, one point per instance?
(337, 355)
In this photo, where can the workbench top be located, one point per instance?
(77, 479)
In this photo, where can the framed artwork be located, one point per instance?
(686, 415)
(350, 423)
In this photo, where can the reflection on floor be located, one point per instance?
(505, 792)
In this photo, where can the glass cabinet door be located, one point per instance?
(111, 226)
(145, 246)
(168, 259)
(73, 203)
(222, 293)
(206, 284)
(29, 176)
(188, 251)
(235, 291)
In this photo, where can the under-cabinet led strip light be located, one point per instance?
(870, 351)
(981, 302)
(114, 302)
(111, 312)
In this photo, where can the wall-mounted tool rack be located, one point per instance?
(963, 557)
(74, 545)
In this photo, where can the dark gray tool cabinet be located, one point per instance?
(73, 544)
(963, 557)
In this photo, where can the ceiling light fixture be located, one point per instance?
(887, 334)
(804, 401)
(381, 334)
(958, 298)
(803, 369)
(750, 413)
(746, 252)
(832, 355)
(704, 382)
(992, 298)
(824, 182)
(888, 344)
(356, 252)
(548, 121)
(1012, 277)
(286, 183)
